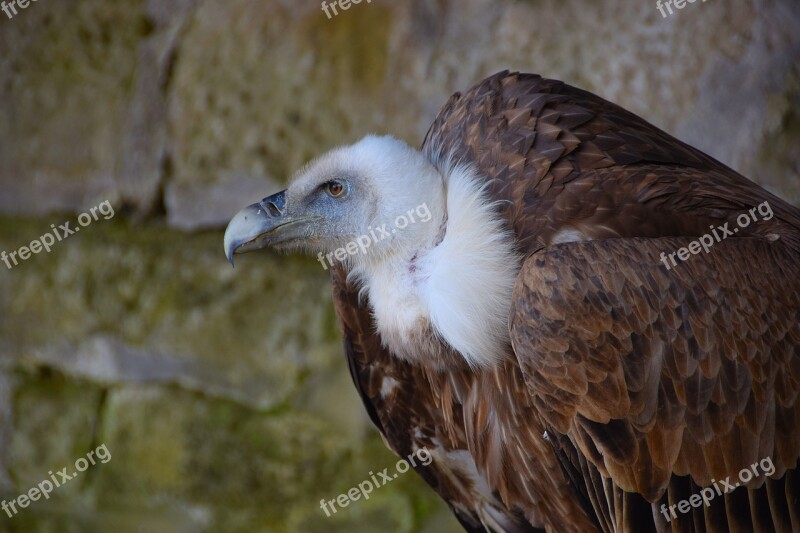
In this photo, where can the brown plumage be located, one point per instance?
(628, 385)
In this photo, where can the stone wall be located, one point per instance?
(222, 394)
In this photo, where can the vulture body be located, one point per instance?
(619, 383)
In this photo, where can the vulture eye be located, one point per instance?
(335, 188)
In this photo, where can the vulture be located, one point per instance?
(589, 324)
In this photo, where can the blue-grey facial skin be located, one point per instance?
(310, 220)
(329, 220)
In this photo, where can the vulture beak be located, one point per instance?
(258, 225)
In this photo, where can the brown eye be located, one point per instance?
(335, 188)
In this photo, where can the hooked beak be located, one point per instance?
(257, 226)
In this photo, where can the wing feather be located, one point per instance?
(656, 393)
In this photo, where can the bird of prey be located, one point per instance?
(590, 325)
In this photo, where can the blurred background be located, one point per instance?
(225, 406)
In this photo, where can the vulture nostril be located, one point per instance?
(274, 205)
(273, 209)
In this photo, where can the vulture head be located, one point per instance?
(416, 232)
(344, 200)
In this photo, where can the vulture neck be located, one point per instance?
(447, 295)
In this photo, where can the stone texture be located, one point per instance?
(262, 112)
(66, 75)
(221, 393)
(186, 100)
(144, 142)
(144, 305)
(192, 207)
